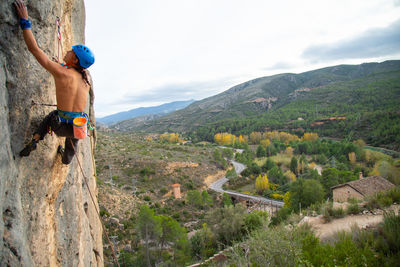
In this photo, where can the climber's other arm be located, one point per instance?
(52, 67)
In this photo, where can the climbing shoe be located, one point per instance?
(28, 148)
(60, 150)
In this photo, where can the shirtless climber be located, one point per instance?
(72, 89)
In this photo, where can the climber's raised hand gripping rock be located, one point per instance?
(72, 88)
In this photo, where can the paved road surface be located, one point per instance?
(217, 186)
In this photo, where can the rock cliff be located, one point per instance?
(48, 217)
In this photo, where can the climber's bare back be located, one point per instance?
(71, 91)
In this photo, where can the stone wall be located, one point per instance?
(343, 193)
(48, 217)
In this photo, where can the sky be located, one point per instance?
(151, 52)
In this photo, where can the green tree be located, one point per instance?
(227, 153)
(293, 165)
(276, 176)
(203, 243)
(219, 160)
(268, 165)
(207, 200)
(230, 174)
(227, 223)
(149, 228)
(261, 152)
(194, 198)
(329, 178)
(227, 200)
(171, 234)
(305, 192)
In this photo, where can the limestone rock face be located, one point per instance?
(48, 216)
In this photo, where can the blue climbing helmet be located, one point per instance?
(84, 54)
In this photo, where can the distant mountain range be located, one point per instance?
(145, 112)
(344, 101)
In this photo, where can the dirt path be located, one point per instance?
(324, 230)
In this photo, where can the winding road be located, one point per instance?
(239, 167)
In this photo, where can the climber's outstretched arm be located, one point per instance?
(54, 68)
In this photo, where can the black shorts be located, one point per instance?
(52, 122)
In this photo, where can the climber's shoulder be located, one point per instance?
(51, 66)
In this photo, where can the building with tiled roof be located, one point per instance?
(360, 188)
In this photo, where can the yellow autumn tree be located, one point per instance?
(262, 183)
(277, 196)
(242, 140)
(367, 155)
(289, 151)
(352, 158)
(286, 200)
(265, 142)
(310, 137)
(312, 165)
(218, 138)
(164, 137)
(255, 137)
(287, 137)
(274, 135)
(290, 175)
(228, 139)
(224, 138)
(171, 137)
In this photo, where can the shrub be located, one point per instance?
(253, 221)
(394, 194)
(338, 213)
(280, 216)
(103, 212)
(267, 247)
(372, 203)
(343, 252)
(380, 200)
(163, 190)
(353, 208)
(328, 212)
(391, 231)
(384, 201)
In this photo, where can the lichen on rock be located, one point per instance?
(48, 217)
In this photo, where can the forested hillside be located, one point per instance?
(346, 101)
(365, 108)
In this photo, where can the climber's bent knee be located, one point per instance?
(71, 147)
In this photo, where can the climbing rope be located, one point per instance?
(94, 204)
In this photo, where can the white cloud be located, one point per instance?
(146, 46)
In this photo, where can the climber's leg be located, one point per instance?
(28, 148)
(70, 149)
(50, 121)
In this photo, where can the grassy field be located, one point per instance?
(247, 188)
(281, 159)
(260, 161)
